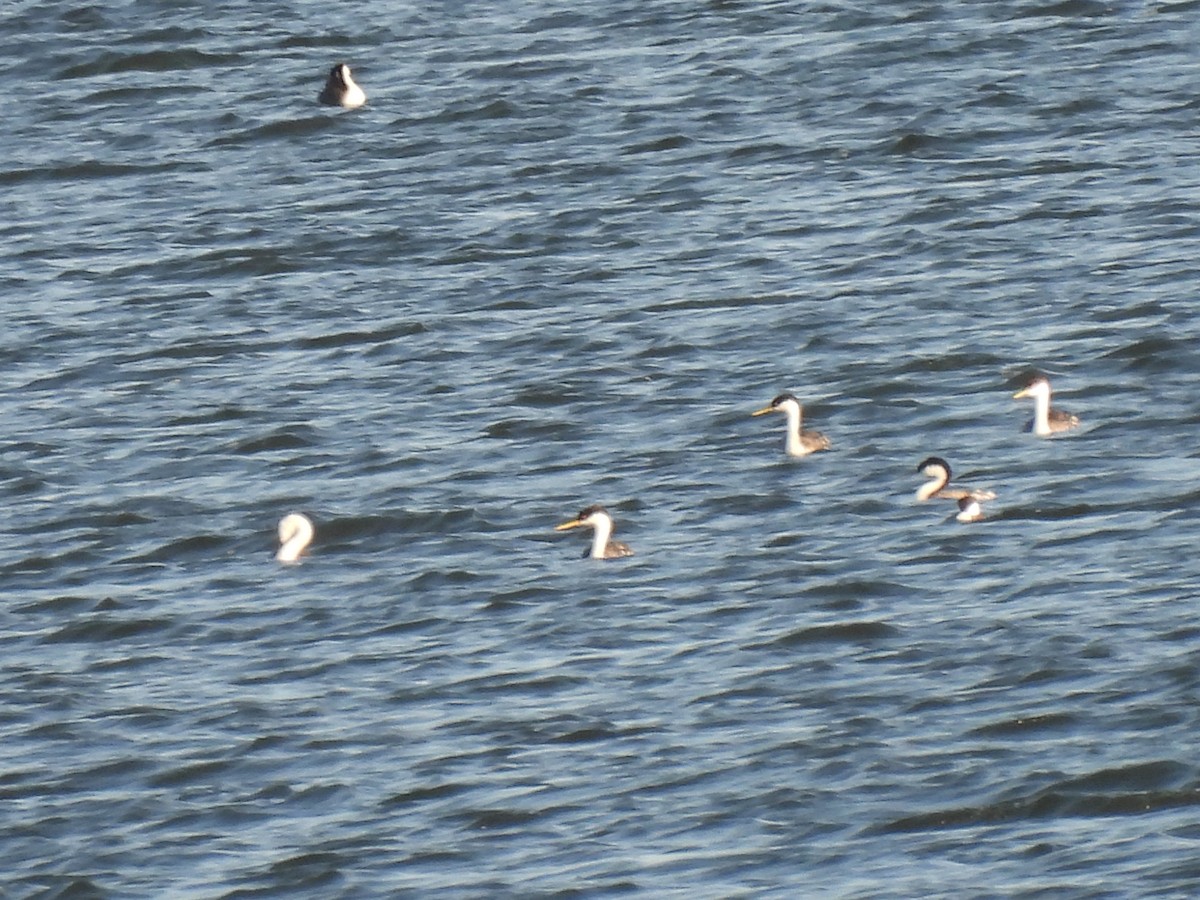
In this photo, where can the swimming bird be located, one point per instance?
(1045, 421)
(799, 442)
(601, 523)
(969, 510)
(341, 90)
(295, 534)
(938, 471)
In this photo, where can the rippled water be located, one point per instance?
(558, 259)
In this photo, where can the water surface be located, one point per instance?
(559, 258)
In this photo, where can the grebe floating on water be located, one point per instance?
(969, 510)
(601, 523)
(799, 442)
(1045, 421)
(340, 89)
(938, 472)
(295, 534)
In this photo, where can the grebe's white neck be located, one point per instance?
(602, 527)
(795, 417)
(937, 470)
(1039, 390)
(1041, 409)
(931, 487)
(295, 534)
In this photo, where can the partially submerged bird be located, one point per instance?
(1046, 421)
(799, 442)
(601, 523)
(969, 510)
(937, 470)
(341, 90)
(295, 534)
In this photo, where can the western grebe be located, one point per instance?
(969, 510)
(799, 442)
(938, 471)
(295, 534)
(601, 523)
(1045, 421)
(340, 89)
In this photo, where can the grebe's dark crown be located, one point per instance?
(935, 461)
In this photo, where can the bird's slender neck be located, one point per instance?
(601, 531)
(298, 536)
(933, 485)
(1041, 412)
(794, 418)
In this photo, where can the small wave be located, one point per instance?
(106, 629)
(1110, 792)
(839, 633)
(354, 338)
(287, 128)
(111, 63)
(285, 438)
(86, 170)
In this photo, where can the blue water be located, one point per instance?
(558, 259)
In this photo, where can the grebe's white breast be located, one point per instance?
(341, 90)
(969, 510)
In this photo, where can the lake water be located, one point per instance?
(558, 259)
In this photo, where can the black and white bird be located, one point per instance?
(341, 89)
(937, 470)
(799, 442)
(601, 523)
(1046, 420)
